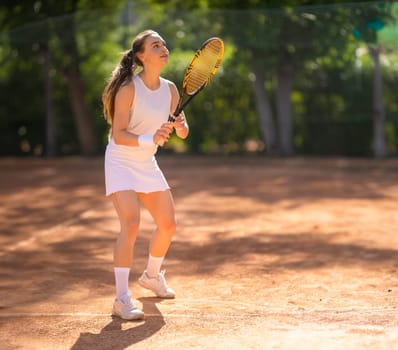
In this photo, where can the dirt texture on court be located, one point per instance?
(295, 253)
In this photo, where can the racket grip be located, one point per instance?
(171, 119)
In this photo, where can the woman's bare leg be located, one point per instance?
(128, 209)
(161, 206)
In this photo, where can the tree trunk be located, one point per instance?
(51, 137)
(283, 104)
(263, 106)
(379, 148)
(81, 116)
(83, 122)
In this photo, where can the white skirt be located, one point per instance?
(132, 168)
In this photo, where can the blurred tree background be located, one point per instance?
(298, 77)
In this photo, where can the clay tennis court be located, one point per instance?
(269, 254)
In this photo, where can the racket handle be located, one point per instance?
(171, 119)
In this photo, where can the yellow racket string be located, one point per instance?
(203, 66)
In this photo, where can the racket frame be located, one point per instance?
(182, 104)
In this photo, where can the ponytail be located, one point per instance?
(122, 74)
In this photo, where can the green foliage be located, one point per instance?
(37, 24)
(332, 84)
(21, 107)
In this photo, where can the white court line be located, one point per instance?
(46, 232)
(94, 314)
(265, 313)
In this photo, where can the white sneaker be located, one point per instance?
(125, 309)
(158, 285)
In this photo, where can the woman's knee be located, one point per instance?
(168, 226)
(130, 228)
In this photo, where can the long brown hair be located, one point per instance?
(123, 73)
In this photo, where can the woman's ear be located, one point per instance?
(140, 55)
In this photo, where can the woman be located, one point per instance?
(137, 107)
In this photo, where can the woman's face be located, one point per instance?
(154, 51)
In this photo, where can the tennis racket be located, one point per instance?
(199, 73)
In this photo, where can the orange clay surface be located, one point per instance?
(293, 253)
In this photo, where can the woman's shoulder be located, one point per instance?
(167, 81)
(172, 87)
(126, 91)
(127, 87)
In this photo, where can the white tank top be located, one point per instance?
(150, 109)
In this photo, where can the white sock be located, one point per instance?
(154, 265)
(122, 281)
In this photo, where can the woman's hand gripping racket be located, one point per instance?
(199, 73)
